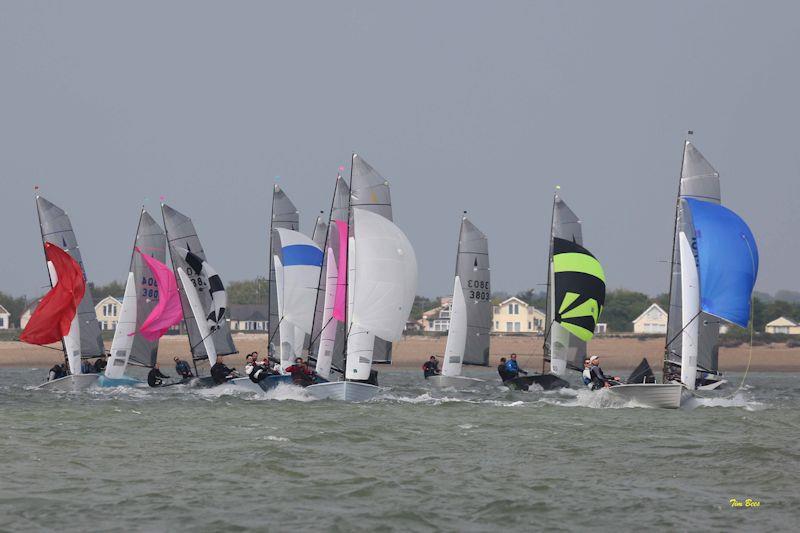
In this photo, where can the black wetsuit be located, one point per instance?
(220, 373)
(182, 368)
(154, 377)
(599, 379)
(430, 368)
(57, 371)
(100, 365)
(504, 375)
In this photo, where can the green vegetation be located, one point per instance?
(248, 291)
(422, 304)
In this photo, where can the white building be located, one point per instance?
(5, 318)
(515, 316)
(438, 318)
(783, 325)
(653, 320)
(248, 317)
(107, 311)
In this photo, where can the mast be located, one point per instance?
(667, 340)
(545, 346)
(41, 233)
(175, 272)
(270, 281)
(347, 270)
(321, 270)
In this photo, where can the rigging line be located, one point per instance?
(313, 340)
(752, 325)
(191, 348)
(271, 334)
(684, 327)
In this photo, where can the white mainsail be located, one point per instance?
(457, 333)
(123, 333)
(690, 311)
(199, 316)
(384, 283)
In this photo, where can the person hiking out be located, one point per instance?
(501, 369)
(431, 367)
(512, 367)
(599, 379)
(587, 373)
(221, 373)
(155, 376)
(301, 374)
(182, 368)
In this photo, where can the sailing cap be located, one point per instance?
(593, 358)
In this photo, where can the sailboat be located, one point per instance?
(381, 283)
(83, 339)
(202, 293)
(698, 180)
(150, 306)
(328, 331)
(470, 311)
(284, 215)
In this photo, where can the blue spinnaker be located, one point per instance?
(727, 259)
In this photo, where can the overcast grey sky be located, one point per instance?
(482, 106)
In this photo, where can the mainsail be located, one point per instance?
(182, 235)
(471, 309)
(56, 228)
(284, 215)
(698, 180)
(370, 191)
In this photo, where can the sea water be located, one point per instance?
(413, 459)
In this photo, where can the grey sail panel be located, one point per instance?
(284, 215)
(698, 180)
(181, 234)
(472, 268)
(567, 226)
(370, 191)
(339, 212)
(150, 240)
(57, 229)
(319, 236)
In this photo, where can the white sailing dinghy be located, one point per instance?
(83, 340)
(203, 297)
(471, 310)
(381, 285)
(140, 299)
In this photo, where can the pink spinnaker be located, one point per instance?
(340, 300)
(167, 311)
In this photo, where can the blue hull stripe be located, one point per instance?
(301, 254)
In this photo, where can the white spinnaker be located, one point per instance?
(690, 310)
(559, 337)
(72, 341)
(327, 338)
(199, 316)
(385, 282)
(457, 334)
(123, 334)
(299, 282)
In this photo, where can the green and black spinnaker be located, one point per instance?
(580, 288)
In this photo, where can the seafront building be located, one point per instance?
(783, 325)
(515, 316)
(652, 321)
(107, 311)
(5, 318)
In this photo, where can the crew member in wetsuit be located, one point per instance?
(599, 379)
(301, 374)
(431, 367)
(256, 370)
(501, 369)
(587, 373)
(100, 365)
(221, 373)
(155, 376)
(56, 372)
(512, 367)
(182, 368)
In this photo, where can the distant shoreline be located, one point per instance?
(617, 353)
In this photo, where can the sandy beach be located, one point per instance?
(618, 353)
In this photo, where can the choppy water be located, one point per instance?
(412, 460)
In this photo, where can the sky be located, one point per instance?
(476, 106)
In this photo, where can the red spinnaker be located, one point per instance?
(53, 316)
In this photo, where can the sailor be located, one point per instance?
(221, 373)
(599, 379)
(301, 374)
(155, 376)
(182, 368)
(56, 372)
(87, 367)
(587, 373)
(100, 364)
(501, 369)
(512, 367)
(256, 370)
(431, 367)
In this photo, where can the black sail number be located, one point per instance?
(478, 290)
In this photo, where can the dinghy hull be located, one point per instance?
(658, 395)
(346, 391)
(453, 381)
(71, 383)
(124, 381)
(545, 381)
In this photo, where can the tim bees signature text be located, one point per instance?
(747, 503)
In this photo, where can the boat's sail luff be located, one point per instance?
(698, 180)
(370, 191)
(559, 343)
(151, 240)
(180, 233)
(472, 269)
(284, 215)
(320, 237)
(57, 229)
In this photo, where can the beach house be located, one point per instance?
(783, 325)
(653, 320)
(107, 311)
(438, 318)
(5, 318)
(248, 317)
(515, 316)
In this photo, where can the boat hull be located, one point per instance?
(346, 391)
(453, 381)
(659, 395)
(264, 385)
(71, 383)
(124, 381)
(545, 381)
